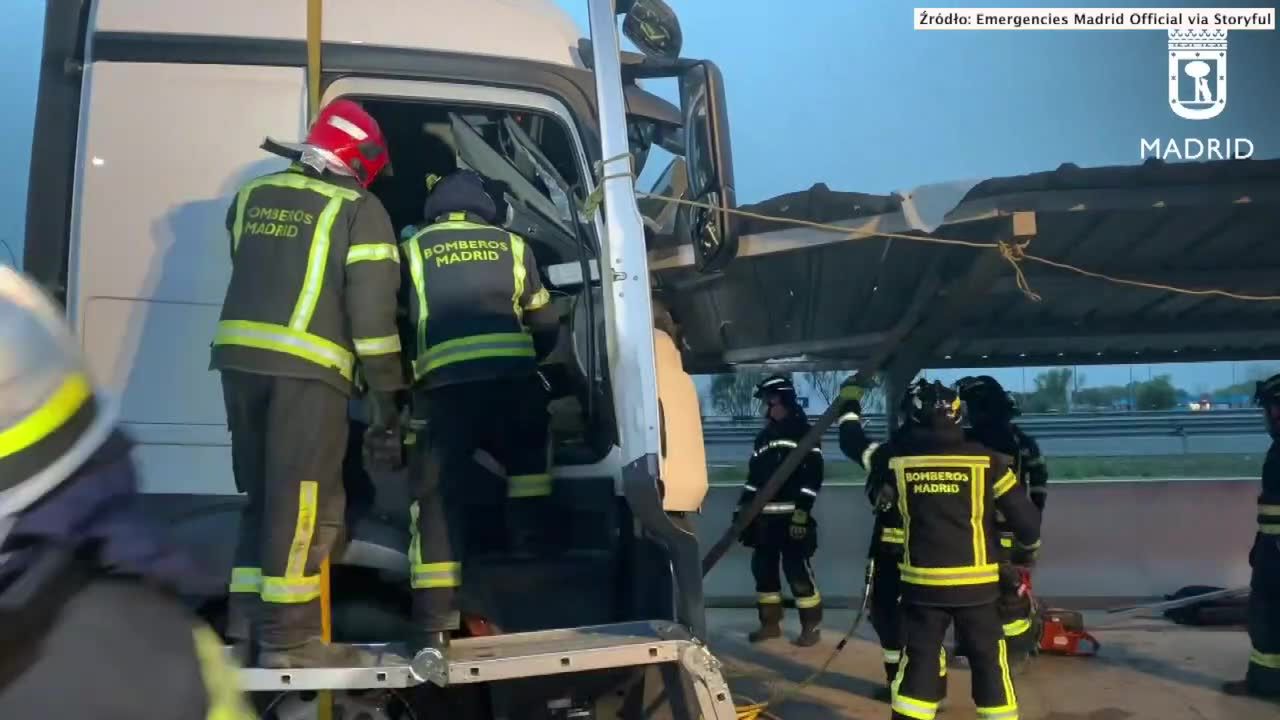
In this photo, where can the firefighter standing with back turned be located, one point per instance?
(1263, 676)
(312, 294)
(482, 320)
(886, 540)
(947, 489)
(91, 623)
(785, 529)
(991, 411)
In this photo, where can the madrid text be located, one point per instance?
(1197, 148)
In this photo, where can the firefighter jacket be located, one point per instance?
(89, 592)
(313, 285)
(948, 489)
(1266, 545)
(76, 642)
(477, 306)
(1028, 466)
(772, 446)
(855, 444)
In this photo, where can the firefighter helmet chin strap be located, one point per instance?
(6, 525)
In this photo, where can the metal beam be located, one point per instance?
(782, 351)
(1196, 195)
(1127, 328)
(1270, 351)
(1052, 281)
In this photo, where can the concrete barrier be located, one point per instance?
(1103, 541)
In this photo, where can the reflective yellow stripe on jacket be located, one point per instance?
(949, 576)
(1268, 518)
(294, 338)
(268, 336)
(474, 347)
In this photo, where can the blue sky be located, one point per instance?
(846, 92)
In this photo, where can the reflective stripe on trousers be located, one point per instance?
(424, 576)
(1009, 711)
(526, 486)
(1271, 661)
(297, 587)
(245, 580)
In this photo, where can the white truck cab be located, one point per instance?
(150, 116)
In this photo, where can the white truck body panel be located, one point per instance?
(528, 29)
(163, 148)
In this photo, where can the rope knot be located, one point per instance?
(1015, 251)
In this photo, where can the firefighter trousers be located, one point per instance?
(886, 586)
(793, 557)
(288, 437)
(508, 419)
(1263, 676)
(1015, 613)
(917, 690)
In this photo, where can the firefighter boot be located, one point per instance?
(290, 638)
(810, 626)
(770, 622)
(242, 610)
(1242, 688)
(316, 653)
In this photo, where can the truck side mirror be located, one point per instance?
(712, 233)
(653, 27)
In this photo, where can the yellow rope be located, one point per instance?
(1013, 251)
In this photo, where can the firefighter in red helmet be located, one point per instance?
(785, 531)
(309, 314)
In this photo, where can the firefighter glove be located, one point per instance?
(383, 448)
(1025, 555)
(799, 525)
(851, 394)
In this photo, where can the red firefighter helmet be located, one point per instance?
(346, 139)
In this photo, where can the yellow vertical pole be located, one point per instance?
(315, 9)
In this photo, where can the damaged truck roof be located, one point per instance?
(816, 298)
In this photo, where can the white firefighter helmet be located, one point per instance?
(52, 419)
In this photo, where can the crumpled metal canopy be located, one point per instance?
(809, 298)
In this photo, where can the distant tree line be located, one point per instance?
(1056, 390)
(732, 394)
